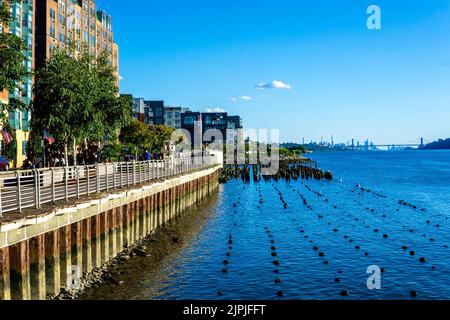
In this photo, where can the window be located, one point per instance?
(61, 19)
(52, 32)
(24, 147)
(189, 120)
(25, 123)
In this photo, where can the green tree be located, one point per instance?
(160, 134)
(136, 134)
(144, 137)
(77, 100)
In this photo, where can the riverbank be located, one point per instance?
(161, 248)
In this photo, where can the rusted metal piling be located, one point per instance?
(44, 252)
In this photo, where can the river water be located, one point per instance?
(242, 243)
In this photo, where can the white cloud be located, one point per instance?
(274, 85)
(242, 98)
(214, 110)
(120, 78)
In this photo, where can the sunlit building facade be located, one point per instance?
(22, 25)
(60, 23)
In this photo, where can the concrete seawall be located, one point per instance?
(40, 252)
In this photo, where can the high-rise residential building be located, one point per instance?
(45, 25)
(234, 122)
(155, 108)
(139, 109)
(220, 121)
(22, 25)
(234, 130)
(215, 121)
(60, 23)
(172, 116)
(192, 122)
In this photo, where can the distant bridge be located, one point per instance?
(418, 143)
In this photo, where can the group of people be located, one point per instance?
(55, 157)
(148, 156)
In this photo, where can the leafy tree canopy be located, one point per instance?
(76, 98)
(150, 138)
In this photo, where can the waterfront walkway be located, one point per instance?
(24, 189)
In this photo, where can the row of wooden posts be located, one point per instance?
(288, 170)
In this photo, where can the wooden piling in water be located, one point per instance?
(52, 271)
(96, 246)
(20, 271)
(37, 268)
(112, 233)
(65, 255)
(77, 253)
(104, 243)
(86, 245)
(5, 289)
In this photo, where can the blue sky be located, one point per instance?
(388, 85)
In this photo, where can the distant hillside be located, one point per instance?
(438, 145)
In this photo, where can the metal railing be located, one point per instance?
(33, 188)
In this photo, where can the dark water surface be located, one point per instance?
(272, 249)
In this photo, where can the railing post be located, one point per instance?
(106, 176)
(38, 189)
(88, 185)
(97, 176)
(77, 172)
(19, 200)
(121, 174)
(165, 168)
(157, 169)
(134, 172)
(53, 185)
(128, 174)
(114, 175)
(36, 196)
(66, 184)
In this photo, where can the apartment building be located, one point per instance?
(23, 25)
(60, 23)
(172, 116)
(155, 108)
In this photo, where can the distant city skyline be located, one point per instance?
(311, 70)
